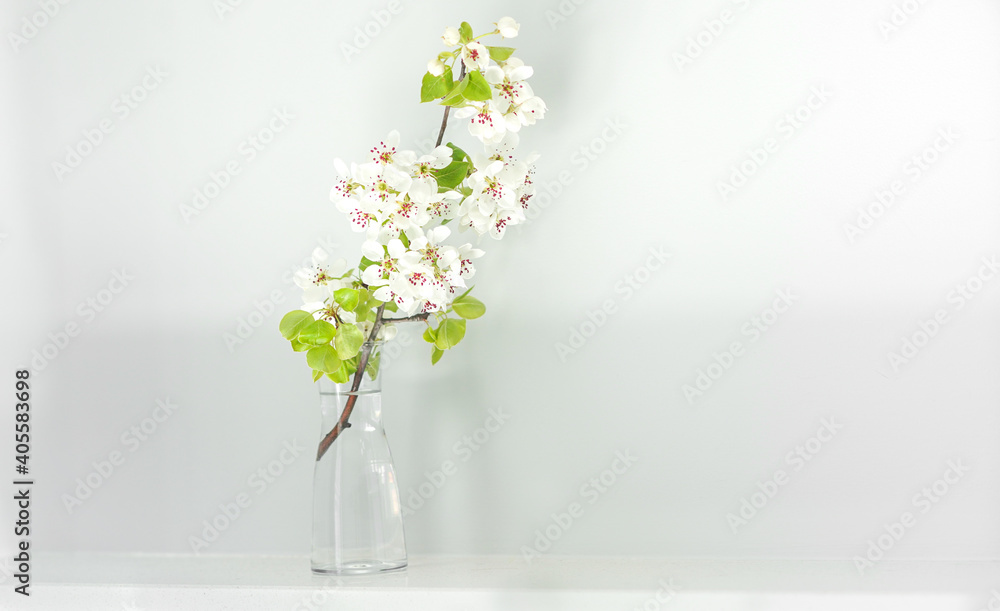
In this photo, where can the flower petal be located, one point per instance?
(439, 234)
(373, 251)
(396, 248)
(521, 73)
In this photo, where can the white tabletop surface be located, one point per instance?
(151, 582)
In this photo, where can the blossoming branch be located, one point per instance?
(411, 207)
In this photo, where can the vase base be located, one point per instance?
(361, 567)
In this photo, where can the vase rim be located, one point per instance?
(329, 387)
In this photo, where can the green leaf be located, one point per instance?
(451, 331)
(365, 263)
(457, 154)
(365, 312)
(454, 97)
(434, 87)
(390, 306)
(499, 54)
(347, 298)
(478, 90)
(351, 365)
(317, 333)
(372, 368)
(364, 304)
(317, 374)
(349, 340)
(466, 31)
(451, 175)
(468, 307)
(299, 346)
(436, 355)
(293, 322)
(323, 358)
(341, 376)
(467, 291)
(430, 335)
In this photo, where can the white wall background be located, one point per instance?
(654, 186)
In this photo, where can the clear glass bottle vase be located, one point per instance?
(357, 515)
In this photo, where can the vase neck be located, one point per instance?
(365, 408)
(328, 387)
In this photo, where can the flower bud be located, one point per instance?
(451, 36)
(508, 27)
(387, 332)
(436, 67)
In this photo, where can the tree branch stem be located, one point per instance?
(444, 119)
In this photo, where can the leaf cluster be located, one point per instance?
(333, 348)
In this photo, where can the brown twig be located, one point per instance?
(444, 124)
(444, 119)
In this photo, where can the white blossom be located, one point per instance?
(475, 56)
(513, 171)
(319, 281)
(385, 153)
(423, 169)
(423, 277)
(466, 253)
(486, 120)
(507, 85)
(531, 110)
(493, 205)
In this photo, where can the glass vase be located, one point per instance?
(357, 515)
